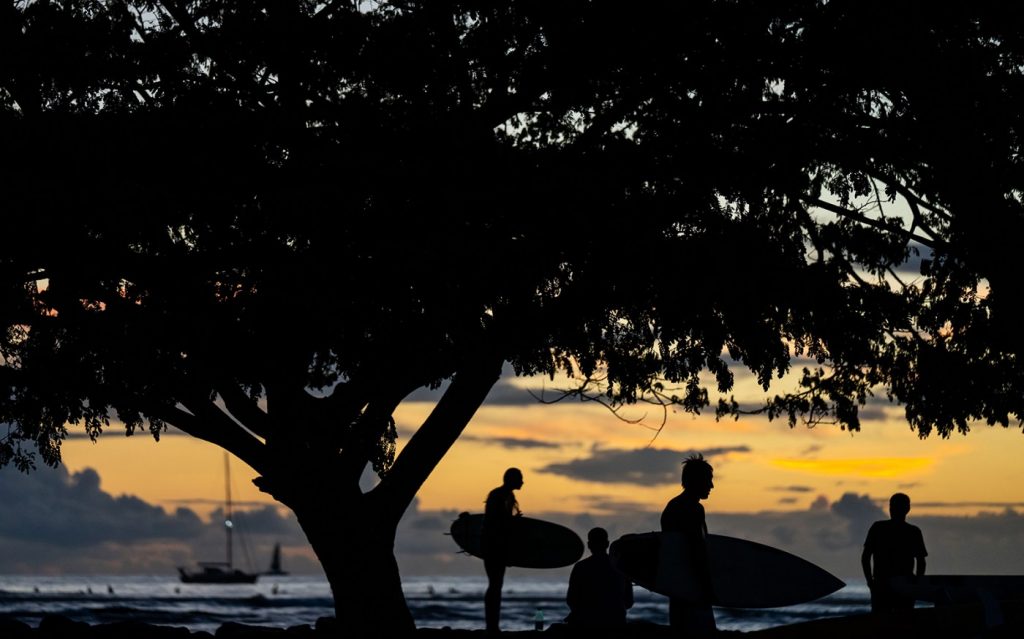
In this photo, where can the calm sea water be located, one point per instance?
(294, 600)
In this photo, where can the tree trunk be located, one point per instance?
(355, 545)
(353, 533)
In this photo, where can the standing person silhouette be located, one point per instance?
(500, 509)
(895, 546)
(598, 594)
(684, 514)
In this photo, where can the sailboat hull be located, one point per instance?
(217, 576)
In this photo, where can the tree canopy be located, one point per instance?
(326, 205)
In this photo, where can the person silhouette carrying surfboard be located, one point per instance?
(684, 514)
(500, 509)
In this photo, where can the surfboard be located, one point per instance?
(535, 543)
(744, 574)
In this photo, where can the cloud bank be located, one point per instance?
(53, 522)
(640, 466)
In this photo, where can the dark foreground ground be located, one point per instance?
(955, 622)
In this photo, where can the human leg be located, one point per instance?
(492, 598)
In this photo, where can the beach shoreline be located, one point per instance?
(955, 622)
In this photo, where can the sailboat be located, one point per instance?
(275, 563)
(220, 572)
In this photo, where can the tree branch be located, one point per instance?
(181, 16)
(867, 221)
(439, 431)
(367, 430)
(244, 409)
(909, 195)
(211, 424)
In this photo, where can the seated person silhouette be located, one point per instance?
(500, 509)
(895, 546)
(598, 595)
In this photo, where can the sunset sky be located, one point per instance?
(579, 457)
(813, 491)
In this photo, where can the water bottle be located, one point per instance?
(538, 620)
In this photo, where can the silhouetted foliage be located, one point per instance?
(326, 205)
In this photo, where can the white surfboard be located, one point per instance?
(744, 574)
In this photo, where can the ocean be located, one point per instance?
(295, 600)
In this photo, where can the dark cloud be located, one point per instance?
(859, 511)
(511, 442)
(216, 502)
(429, 523)
(810, 450)
(784, 534)
(45, 505)
(788, 500)
(911, 268)
(869, 414)
(968, 504)
(55, 521)
(606, 504)
(642, 466)
(859, 508)
(791, 489)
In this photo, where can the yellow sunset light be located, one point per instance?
(874, 467)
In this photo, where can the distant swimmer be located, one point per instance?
(895, 546)
(500, 509)
(598, 594)
(684, 514)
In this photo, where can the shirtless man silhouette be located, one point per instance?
(895, 547)
(685, 514)
(500, 509)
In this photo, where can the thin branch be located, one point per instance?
(867, 221)
(909, 195)
(180, 15)
(811, 228)
(919, 219)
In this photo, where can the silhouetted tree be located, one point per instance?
(323, 206)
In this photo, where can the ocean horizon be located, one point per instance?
(285, 601)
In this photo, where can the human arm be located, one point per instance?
(572, 595)
(865, 562)
(920, 553)
(699, 542)
(870, 545)
(703, 565)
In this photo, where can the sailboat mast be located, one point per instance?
(227, 513)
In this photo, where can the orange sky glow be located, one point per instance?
(771, 466)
